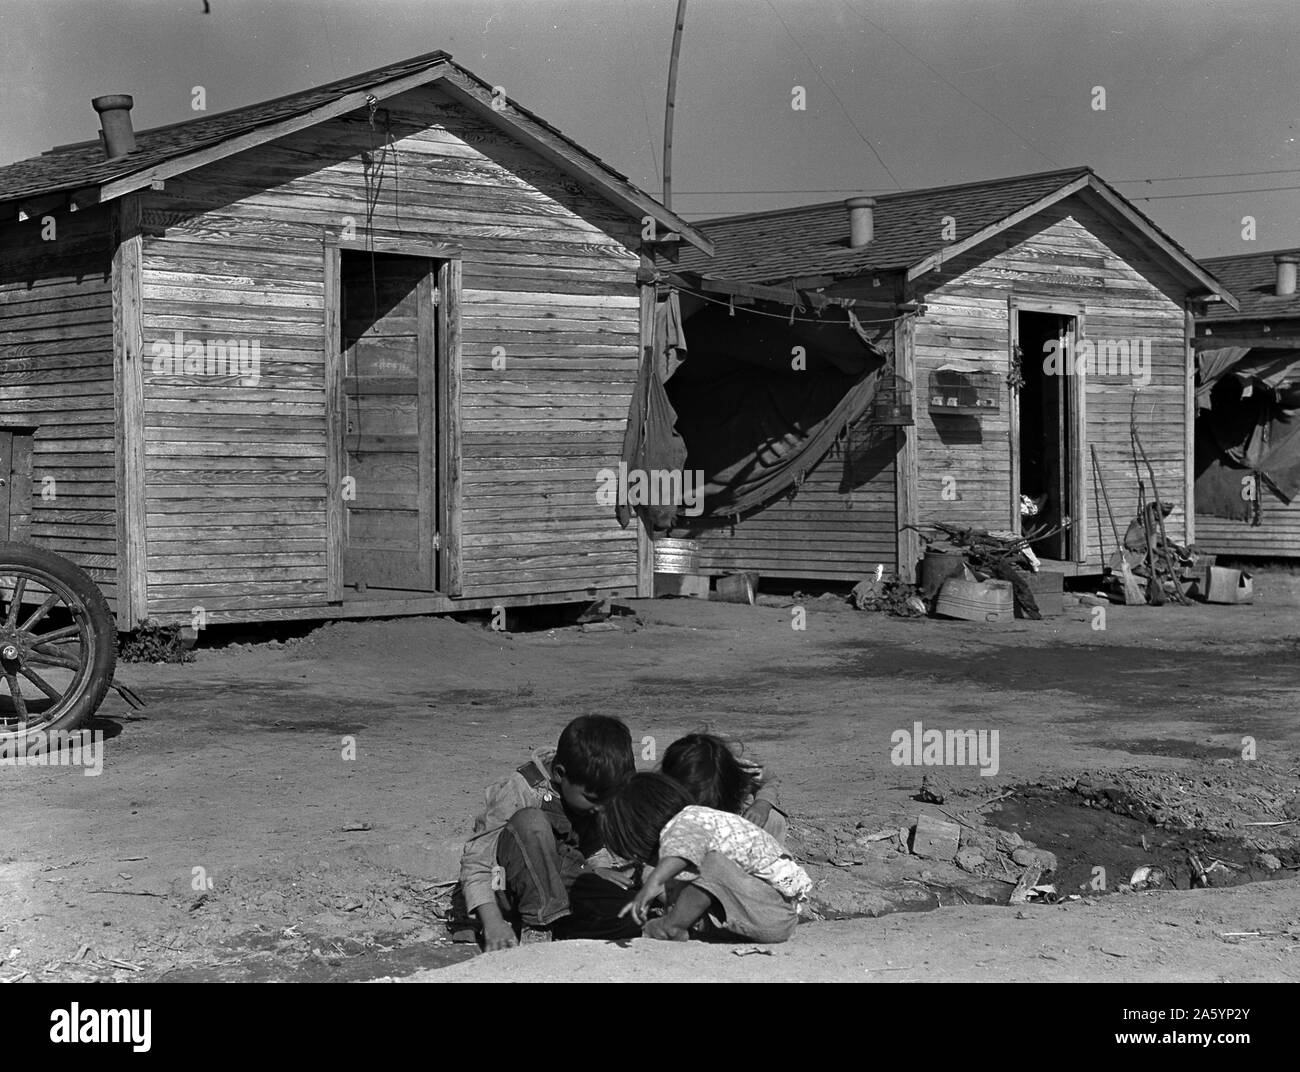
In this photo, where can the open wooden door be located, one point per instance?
(389, 412)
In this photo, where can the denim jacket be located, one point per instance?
(501, 801)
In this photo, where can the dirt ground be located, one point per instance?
(317, 867)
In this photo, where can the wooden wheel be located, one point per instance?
(58, 643)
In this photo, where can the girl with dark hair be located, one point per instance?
(716, 777)
(718, 874)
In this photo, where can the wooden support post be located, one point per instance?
(333, 427)
(450, 492)
(1189, 432)
(905, 466)
(128, 391)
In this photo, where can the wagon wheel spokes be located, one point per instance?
(38, 657)
(58, 636)
(15, 604)
(16, 694)
(40, 612)
(40, 682)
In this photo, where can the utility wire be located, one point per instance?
(964, 96)
(650, 138)
(884, 190)
(1214, 193)
(832, 92)
(856, 189)
(1220, 175)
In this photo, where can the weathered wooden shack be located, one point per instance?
(1031, 317)
(1248, 452)
(359, 350)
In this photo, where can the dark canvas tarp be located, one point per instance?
(1252, 426)
(650, 441)
(754, 421)
(1212, 366)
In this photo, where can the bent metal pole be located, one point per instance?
(671, 105)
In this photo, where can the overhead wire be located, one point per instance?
(831, 89)
(939, 75)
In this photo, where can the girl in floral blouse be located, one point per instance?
(717, 873)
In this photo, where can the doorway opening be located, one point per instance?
(388, 309)
(1047, 402)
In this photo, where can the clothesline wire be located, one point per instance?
(780, 316)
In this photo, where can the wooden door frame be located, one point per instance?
(447, 507)
(1076, 416)
(132, 578)
(906, 474)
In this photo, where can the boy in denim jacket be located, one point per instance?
(536, 854)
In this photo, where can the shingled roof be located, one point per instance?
(812, 240)
(82, 171)
(1252, 279)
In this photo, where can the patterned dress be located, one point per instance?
(696, 831)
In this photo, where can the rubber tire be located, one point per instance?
(103, 629)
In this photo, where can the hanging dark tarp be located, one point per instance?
(761, 400)
(1252, 428)
(650, 441)
(1212, 366)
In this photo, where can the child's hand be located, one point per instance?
(758, 812)
(498, 936)
(639, 906)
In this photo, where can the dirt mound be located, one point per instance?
(449, 642)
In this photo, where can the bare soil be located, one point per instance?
(1117, 747)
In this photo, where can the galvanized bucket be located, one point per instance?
(676, 556)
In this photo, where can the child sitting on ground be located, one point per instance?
(707, 863)
(709, 769)
(536, 854)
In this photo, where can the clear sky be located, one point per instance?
(899, 93)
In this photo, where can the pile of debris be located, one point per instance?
(1148, 567)
(977, 566)
(888, 595)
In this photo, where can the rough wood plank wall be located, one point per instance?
(1276, 536)
(821, 533)
(56, 372)
(236, 492)
(1068, 253)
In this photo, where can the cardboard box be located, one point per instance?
(1224, 585)
(737, 588)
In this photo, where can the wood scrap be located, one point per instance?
(1159, 519)
(1028, 880)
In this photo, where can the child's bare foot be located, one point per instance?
(665, 931)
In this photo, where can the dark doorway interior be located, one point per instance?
(1045, 434)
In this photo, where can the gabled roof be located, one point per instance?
(812, 240)
(82, 172)
(1252, 278)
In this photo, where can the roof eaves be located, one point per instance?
(477, 95)
(946, 253)
(225, 145)
(439, 67)
(1171, 249)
